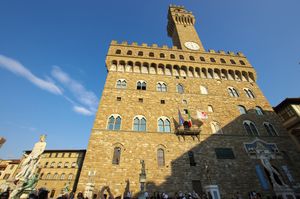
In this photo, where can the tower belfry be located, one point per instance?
(181, 29)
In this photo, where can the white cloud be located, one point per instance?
(87, 99)
(17, 68)
(82, 95)
(82, 110)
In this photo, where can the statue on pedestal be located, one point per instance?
(27, 178)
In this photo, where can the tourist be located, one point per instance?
(4, 195)
(80, 195)
(238, 196)
(43, 193)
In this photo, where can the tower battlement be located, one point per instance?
(166, 47)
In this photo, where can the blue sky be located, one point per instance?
(52, 53)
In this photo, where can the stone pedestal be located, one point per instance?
(285, 192)
(212, 191)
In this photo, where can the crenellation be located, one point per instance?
(154, 46)
(230, 53)
(124, 43)
(211, 51)
(144, 45)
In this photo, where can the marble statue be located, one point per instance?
(23, 186)
(31, 161)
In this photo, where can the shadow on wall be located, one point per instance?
(221, 159)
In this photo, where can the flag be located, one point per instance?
(181, 120)
(190, 119)
(202, 115)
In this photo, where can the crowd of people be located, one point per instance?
(105, 193)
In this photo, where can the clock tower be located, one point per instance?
(181, 29)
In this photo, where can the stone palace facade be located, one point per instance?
(194, 117)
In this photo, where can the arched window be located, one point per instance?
(164, 125)
(129, 52)
(141, 85)
(114, 122)
(191, 158)
(223, 61)
(181, 57)
(215, 127)
(249, 93)
(192, 58)
(172, 56)
(160, 157)
(118, 51)
(46, 164)
(151, 54)
(59, 165)
(233, 92)
(161, 87)
(62, 177)
(139, 124)
(121, 83)
(73, 164)
(52, 164)
(70, 177)
(232, 61)
(202, 59)
(212, 59)
(55, 177)
(270, 129)
(66, 165)
(242, 62)
(242, 109)
(162, 55)
(250, 128)
(179, 88)
(259, 110)
(203, 90)
(116, 156)
(210, 108)
(140, 53)
(41, 176)
(48, 176)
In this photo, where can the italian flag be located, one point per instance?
(190, 119)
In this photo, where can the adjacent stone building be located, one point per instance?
(8, 169)
(59, 170)
(183, 118)
(289, 112)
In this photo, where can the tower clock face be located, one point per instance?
(192, 45)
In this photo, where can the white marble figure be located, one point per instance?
(265, 160)
(31, 161)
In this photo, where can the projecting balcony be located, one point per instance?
(188, 131)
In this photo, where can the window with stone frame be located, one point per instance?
(270, 129)
(139, 124)
(191, 158)
(70, 176)
(160, 157)
(203, 90)
(259, 110)
(141, 85)
(121, 83)
(249, 93)
(116, 156)
(242, 109)
(233, 92)
(164, 125)
(114, 122)
(224, 153)
(250, 128)
(161, 87)
(62, 177)
(179, 89)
